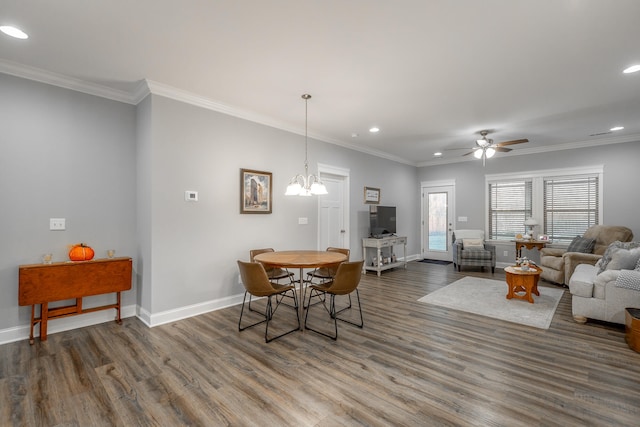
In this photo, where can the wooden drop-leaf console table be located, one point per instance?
(45, 283)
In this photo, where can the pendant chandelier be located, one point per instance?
(305, 185)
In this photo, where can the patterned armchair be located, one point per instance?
(469, 249)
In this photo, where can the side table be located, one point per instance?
(529, 244)
(632, 328)
(522, 283)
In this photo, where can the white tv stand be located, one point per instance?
(373, 263)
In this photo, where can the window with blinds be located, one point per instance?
(571, 205)
(510, 204)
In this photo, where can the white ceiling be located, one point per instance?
(429, 74)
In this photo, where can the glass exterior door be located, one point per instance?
(437, 222)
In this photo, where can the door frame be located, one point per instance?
(345, 174)
(424, 187)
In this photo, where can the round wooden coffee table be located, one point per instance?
(522, 283)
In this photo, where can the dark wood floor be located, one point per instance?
(412, 364)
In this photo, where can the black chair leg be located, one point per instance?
(334, 314)
(269, 315)
(240, 328)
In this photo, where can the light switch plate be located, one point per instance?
(462, 219)
(303, 221)
(191, 196)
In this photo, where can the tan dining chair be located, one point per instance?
(324, 274)
(344, 282)
(274, 274)
(257, 283)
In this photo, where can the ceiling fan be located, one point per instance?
(485, 148)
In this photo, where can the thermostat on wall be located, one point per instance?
(191, 196)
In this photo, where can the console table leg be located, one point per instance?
(33, 317)
(44, 317)
(118, 318)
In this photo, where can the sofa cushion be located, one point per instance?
(624, 259)
(476, 253)
(637, 265)
(613, 248)
(472, 243)
(581, 244)
(581, 283)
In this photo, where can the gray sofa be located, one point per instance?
(604, 290)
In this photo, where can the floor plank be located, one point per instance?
(411, 364)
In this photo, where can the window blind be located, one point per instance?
(510, 204)
(571, 205)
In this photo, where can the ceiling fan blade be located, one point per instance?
(502, 149)
(515, 141)
(470, 152)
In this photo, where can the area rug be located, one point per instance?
(487, 297)
(435, 261)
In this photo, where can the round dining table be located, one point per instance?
(300, 259)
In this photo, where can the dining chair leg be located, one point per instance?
(331, 311)
(240, 328)
(272, 311)
(359, 325)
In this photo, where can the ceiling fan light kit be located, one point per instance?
(486, 149)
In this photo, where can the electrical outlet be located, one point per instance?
(57, 224)
(505, 253)
(303, 220)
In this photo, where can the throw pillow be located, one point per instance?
(581, 244)
(624, 259)
(611, 249)
(472, 243)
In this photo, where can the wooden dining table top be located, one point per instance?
(300, 258)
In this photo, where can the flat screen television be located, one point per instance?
(382, 220)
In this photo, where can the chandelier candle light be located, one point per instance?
(305, 185)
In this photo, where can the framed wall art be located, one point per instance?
(371, 195)
(255, 192)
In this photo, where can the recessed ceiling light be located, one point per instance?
(374, 130)
(14, 32)
(438, 154)
(354, 135)
(632, 69)
(617, 128)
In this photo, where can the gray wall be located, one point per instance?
(68, 155)
(194, 246)
(118, 173)
(621, 176)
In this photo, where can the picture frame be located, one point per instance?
(371, 195)
(255, 192)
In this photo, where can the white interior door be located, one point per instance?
(437, 221)
(333, 224)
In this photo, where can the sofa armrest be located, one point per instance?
(574, 259)
(552, 251)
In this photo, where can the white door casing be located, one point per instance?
(438, 213)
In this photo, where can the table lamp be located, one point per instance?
(531, 223)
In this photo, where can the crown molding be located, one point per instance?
(167, 91)
(544, 149)
(60, 80)
(146, 87)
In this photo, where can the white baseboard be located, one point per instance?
(21, 332)
(176, 314)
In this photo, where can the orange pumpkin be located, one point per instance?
(81, 252)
